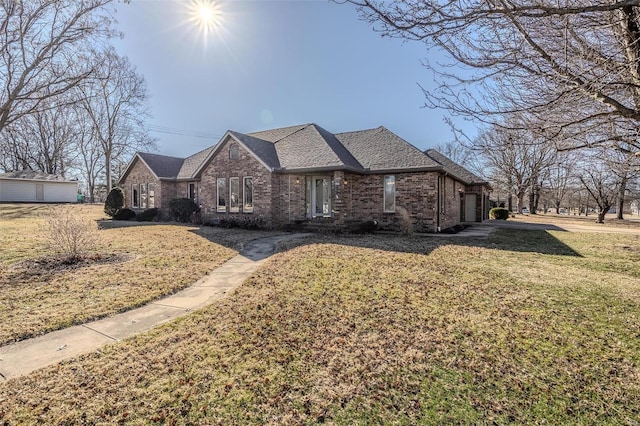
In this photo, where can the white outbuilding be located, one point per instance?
(36, 187)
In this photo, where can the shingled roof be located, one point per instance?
(191, 164)
(309, 147)
(380, 149)
(454, 168)
(34, 175)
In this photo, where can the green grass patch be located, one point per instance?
(379, 330)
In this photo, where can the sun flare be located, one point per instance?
(206, 15)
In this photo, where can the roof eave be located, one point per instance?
(318, 169)
(38, 180)
(404, 170)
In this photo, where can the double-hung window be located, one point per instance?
(234, 194)
(152, 195)
(247, 195)
(389, 194)
(221, 195)
(135, 198)
(143, 195)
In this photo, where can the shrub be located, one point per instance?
(114, 201)
(181, 209)
(406, 225)
(124, 214)
(499, 213)
(245, 222)
(147, 215)
(70, 234)
(366, 227)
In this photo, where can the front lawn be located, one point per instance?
(132, 266)
(380, 330)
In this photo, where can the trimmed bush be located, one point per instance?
(147, 215)
(124, 214)
(251, 223)
(499, 213)
(114, 201)
(366, 227)
(181, 209)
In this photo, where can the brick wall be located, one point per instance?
(246, 165)
(280, 199)
(362, 197)
(141, 174)
(451, 190)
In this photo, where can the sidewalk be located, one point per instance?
(28, 355)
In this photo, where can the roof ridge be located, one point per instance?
(380, 128)
(304, 126)
(162, 155)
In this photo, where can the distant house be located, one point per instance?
(37, 187)
(304, 174)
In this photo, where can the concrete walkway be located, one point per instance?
(28, 355)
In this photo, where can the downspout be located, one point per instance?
(439, 186)
(289, 200)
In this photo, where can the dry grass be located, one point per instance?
(527, 327)
(132, 266)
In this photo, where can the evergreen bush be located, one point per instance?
(181, 209)
(499, 213)
(147, 215)
(114, 201)
(124, 214)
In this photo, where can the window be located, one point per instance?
(233, 152)
(247, 195)
(135, 199)
(308, 182)
(389, 194)
(192, 192)
(234, 194)
(222, 193)
(152, 195)
(143, 195)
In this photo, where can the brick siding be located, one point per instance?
(246, 165)
(280, 199)
(141, 174)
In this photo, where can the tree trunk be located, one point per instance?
(620, 207)
(107, 161)
(532, 202)
(520, 201)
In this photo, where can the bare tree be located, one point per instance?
(572, 65)
(559, 179)
(626, 166)
(44, 48)
(90, 157)
(600, 181)
(116, 103)
(515, 160)
(42, 140)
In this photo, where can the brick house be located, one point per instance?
(305, 174)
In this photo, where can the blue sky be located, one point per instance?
(273, 64)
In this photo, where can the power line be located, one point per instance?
(181, 132)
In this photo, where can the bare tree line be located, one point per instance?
(550, 82)
(69, 104)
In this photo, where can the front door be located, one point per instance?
(321, 197)
(470, 201)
